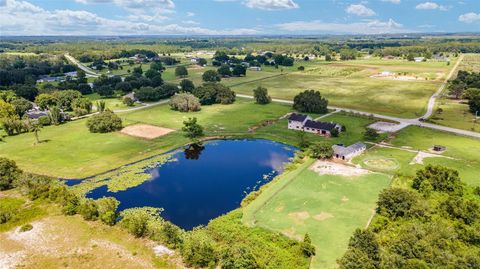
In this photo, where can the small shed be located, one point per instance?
(439, 148)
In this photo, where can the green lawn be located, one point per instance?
(113, 103)
(456, 114)
(71, 151)
(327, 207)
(464, 151)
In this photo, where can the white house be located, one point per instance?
(255, 68)
(297, 121)
(347, 153)
(305, 123)
(419, 59)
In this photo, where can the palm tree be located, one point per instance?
(35, 127)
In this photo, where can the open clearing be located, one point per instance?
(330, 168)
(146, 131)
(328, 207)
(462, 153)
(348, 84)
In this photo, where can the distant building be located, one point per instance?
(131, 96)
(71, 74)
(439, 148)
(419, 59)
(347, 153)
(306, 124)
(34, 114)
(255, 68)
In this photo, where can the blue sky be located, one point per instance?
(236, 17)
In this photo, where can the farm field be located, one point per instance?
(461, 153)
(327, 207)
(456, 113)
(348, 84)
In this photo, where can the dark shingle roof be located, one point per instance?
(297, 117)
(320, 125)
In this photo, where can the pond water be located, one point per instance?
(205, 181)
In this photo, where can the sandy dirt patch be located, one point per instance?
(162, 250)
(331, 168)
(299, 217)
(345, 199)
(387, 127)
(418, 159)
(279, 209)
(146, 131)
(323, 216)
(292, 233)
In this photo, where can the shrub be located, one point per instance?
(185, 102)
(441, 178)
(321, 150)
(104, 122)
(181, 71)
(25, 228)
(192, 129)
(9, 172)
(107, 210)
(198, 251)
(310, 101)
(44, 120)
(88, 209)
(370, 134)
(128, 101)
(334, 132)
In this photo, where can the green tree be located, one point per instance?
(211, 76)
(366, 241)
(88, 209)
(187, 85)
(9, 172)
(104, 122)
(45, 100)
(474, 105)
(396, 202)
(224, 71)
(370, 134)
(107, 210)
(307, 247)
(157, 65)
(310, 101)
(21, 105)
(181, 71)
(35, 127)
(123, 86)
(441, 178)
(321, 150)
(261, 95)
(185, 102)
(239, 70)
(192, 129)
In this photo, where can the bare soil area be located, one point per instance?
(331, 168)
(146, 131)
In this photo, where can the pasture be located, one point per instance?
(348, 84)
(461, 153)
(328, 207)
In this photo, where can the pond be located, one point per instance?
(206, 181)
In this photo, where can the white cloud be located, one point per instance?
(138, 6)
(190, 22)
(393, 1)
(364, 27)
(24, 18)
(470, 17)
(360, 10)
(431, 6)
(271, 4)
(190, 14)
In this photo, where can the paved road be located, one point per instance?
(403, 122)
(87, 70)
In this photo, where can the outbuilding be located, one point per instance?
(347, 153)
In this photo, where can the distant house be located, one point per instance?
(131, 96)
(419, 59)
(306, 124)
(255, 68)
(194, 60)
(34, 114)
(387, 73)
(71, 74)
(347, 153)
(246, 64)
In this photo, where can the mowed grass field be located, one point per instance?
(327, 207)
(456, 113)
(462, 153)
(71, 151)
(348, 84)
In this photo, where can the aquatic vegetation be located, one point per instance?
(125, 177)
